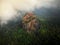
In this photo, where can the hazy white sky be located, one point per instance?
(8, 7)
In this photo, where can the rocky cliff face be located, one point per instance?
(30, 22)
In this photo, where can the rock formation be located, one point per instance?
(30, 22)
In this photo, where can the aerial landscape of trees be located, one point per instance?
(48, 33)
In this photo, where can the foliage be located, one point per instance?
(47, 34)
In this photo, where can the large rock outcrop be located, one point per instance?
(30, 22)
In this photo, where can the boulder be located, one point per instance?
(30, 22)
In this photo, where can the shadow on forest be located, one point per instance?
(47, 34)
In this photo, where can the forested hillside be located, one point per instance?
(49, 33)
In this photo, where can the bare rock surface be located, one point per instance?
(30, 22)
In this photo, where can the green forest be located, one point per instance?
(48, 34)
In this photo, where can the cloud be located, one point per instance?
(8, 7)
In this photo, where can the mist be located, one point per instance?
(9, 8)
